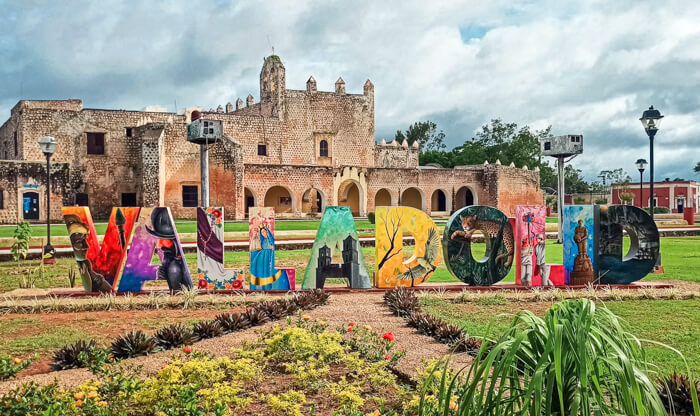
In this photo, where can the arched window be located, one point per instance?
(323, 148)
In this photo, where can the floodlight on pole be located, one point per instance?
(204, 133)
(641, 166)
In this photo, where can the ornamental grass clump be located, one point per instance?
(677, 393)
(579, 359)
(207, 329)
(173, 336)
(232, 322)
(73, 355)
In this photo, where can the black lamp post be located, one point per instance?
(651, 119)
(48, 146)
(604, 175)
(641, 165)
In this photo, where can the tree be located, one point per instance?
(697, 168)
(425, 133)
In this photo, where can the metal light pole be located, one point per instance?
(48, 146)
(651, 119)
(204, 133)
(641, 165)
(603, 175)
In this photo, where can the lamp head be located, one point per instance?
(651, 119)
(48, 145)
(641, 164)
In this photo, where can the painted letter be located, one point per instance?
(580, 225)
(211, 273)
(392, 270)
(263, 275)
(498, 236)
(336, 231)
(99, 265)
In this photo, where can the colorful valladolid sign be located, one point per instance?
(592, 248)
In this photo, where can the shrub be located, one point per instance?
(9, 367)
(401, 301)
(74, 355)
(207, 329)
(133, 344)
(578, 360)
(370, 217)
(174, 336)
(256, 316)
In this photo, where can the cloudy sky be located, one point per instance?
(588, 69)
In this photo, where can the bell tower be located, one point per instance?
(272, 84)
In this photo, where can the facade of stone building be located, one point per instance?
(295, 150)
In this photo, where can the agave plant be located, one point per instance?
(401, 301)
(255, 316)
(70, 356)
(207, 329)
(273, 310)
(578, 360)
(232, 322)
(677, 393)
(133, 344)
(467, 344)
(173, 336)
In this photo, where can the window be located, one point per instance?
(189, 195)
(129, 199)
(262, 150)
(2, 199)
(323, 148)
(129, 132)
(95, 143)
(16, 147)
(547, 145)
(81, 199)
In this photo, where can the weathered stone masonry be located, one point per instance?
(296, 150)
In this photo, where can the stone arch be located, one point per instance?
(249, 199)
(340, 180)
(350, 195)
(465, 196)
(384, 198)
(281, 199)
(414, 198)
(438, 201)
(313, 201)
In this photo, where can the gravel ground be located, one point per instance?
(360, 308)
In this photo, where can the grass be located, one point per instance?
(648, 319)
(188, 226)
(56, 338)
(680, 257)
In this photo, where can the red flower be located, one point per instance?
(350, 329)
(389, 336)
(216, 213)
(202, 284)
(386, 357)
(237, 284)
(187, 349)
(351, 324)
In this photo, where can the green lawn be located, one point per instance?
(189, 226)
(648, 319)
(680, 255)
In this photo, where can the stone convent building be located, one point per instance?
(295, 150)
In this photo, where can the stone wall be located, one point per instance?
(17, 177)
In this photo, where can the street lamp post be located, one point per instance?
(48, 146)
(651, 119)
(604, 175)
(641, 165)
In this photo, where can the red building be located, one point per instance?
(674, 195)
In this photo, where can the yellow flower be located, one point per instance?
(17, 360)
(79, 403)
(92, 394)
(367, 327)
(306, 317)
(79, 395)
(102, 403)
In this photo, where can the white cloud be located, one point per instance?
(590, 68)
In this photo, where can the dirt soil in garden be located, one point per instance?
(360, 308)
(22, 335)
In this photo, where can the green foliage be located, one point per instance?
(697, 168)
(578, 360)
(425, 133)
(9, 367)
(72, 275)
(677, 393)
(370, 217)
(287, 403)
(658, 210)
(579, 200)
(22, 235)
